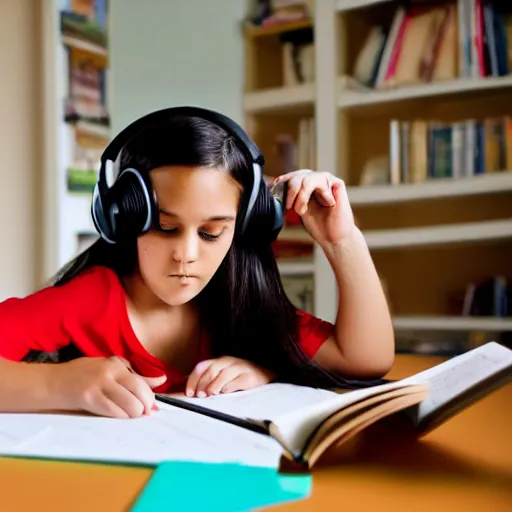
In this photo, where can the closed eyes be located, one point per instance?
(208, 237)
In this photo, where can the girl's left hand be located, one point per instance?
(321, 200)
(225, 375)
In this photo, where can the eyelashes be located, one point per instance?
(208, 237)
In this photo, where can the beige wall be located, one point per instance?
(19, 145)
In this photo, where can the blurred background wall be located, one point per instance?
(20, 135)
(173, 53)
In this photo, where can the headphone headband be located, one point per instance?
(110, 161)
(115, 146)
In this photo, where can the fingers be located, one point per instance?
(204, 374)
(326, 194)
(239, 383)
(225, 376)
(125, 400)
(304, 185)
(208, 376)
(294, 187)
(106, 407)
(196, 374)
(137, 386)
(152, 382)
(97, 402)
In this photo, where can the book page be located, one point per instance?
(265, 402)
(296, 410)
(168, 434)
(457, 375)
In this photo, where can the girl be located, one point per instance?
(189, 297)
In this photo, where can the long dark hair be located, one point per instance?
(244, 306)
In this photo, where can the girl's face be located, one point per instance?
(198, 208)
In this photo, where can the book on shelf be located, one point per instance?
(298, 56)
(297, 150)
(421, 149)
(87, 142)
(428, 41)
(86, 20)
(489, 297)
(87, 82)
(282, 425)
(280, 12)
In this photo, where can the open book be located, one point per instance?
(307, 421)
(260, 427)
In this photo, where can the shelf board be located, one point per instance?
(280, 98)
(298, 234)
(350, 99)
(92, 128)
(289, 267)
(452, 323)
(444, 234)
(74, 42)
(491, 183)
(255, 31)
(347, 5)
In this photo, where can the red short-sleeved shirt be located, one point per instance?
(91, 312)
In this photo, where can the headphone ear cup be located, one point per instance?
(278, 192)
(267, 218)
(132, 211)
(278, 219)
(99, 218)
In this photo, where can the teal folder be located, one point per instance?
(194, 486)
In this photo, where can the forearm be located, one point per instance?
(26, 387)
(364, 330)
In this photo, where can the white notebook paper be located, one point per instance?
(168, 434)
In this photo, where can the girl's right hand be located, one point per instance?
(104, 386)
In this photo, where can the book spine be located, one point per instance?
(405, 153)
(394, 152)
(457, 150)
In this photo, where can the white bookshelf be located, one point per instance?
(352, 99)
(434, 189)
(459, 233)
(84, 45)
(466, 233)
(347, 5)
(67, 214)
(340, 105)
(279, 99)
(446, 323)
(469, 215)
(292, 268)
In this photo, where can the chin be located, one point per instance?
(180, 296)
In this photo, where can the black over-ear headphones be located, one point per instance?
(108, 209)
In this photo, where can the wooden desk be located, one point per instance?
(464, 465)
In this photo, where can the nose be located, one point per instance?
(186, 248)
